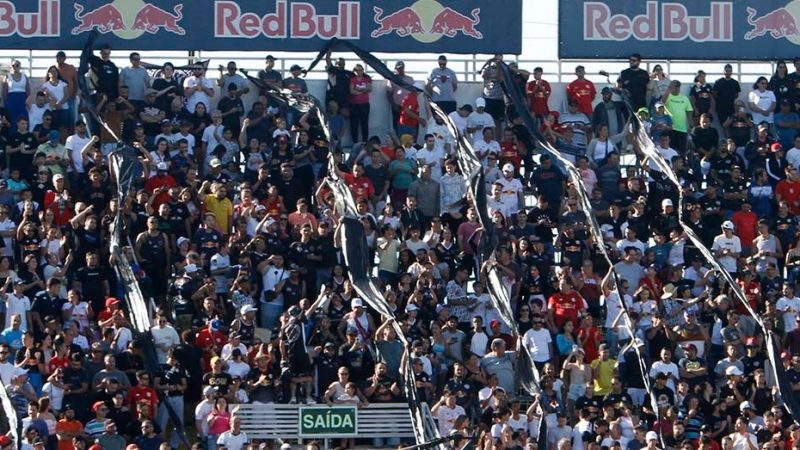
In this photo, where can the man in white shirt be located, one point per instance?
(665, 365)
(202, 411)
(631, 241)
(483, 147)
(666, 151)
(538, 342)
(513, 195)
(727, 247)
(479, 119)
(17, 304)
(75, 145)
(789, 305)
(441, 133)
(6, 368)
(793, 155)
(431, 155)
(136, 78)
(742, 438)
(461, 118)
(235, 438)
(198, 89)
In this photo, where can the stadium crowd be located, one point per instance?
(232, 233)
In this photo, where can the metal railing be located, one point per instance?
(418, 66)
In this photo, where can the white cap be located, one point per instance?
(248, 309)
(666, 202)
(480, 102)
(508, 167)
(58, 176)
(161, 166)
(261, 208)
(727, 225)
(745, 405)
(208, 390)
(651, 436)
(215, 162)
(182, 239)
(411, 307)
(190, 268)
(286, 447)
(733, 370)
(19, 371)
(357, 302)
(269, 223)
(659, 104)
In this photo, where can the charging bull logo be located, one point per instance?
(779, 23)
(427, 21)
(128, 19)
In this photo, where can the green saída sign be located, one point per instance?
(323, 421)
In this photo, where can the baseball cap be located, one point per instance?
(97, 405)
(727, 225)
(182, 239)
(399, 64)
(166, 122)
(209, 390)
(5, 441)
(162, 166)
(666, 202)
(659, 104)
(750, 342)
(775, 147)
(605, 90)
(138, 125)
(247, 309)
(270, 57)
(688, 347)
(286, 447)
(215, 162)
(58, 176)
(508, 167)
(411, 307)
(329, 344)
(54, 135)
(745, 405)
(494, 323)
(651, 436)
(466, 107)
(357, 303)
(733, 371)
(190, 268)
(216, 324)
(111, 301)
(480, 102)
(295, 67)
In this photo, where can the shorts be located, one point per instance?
(496, 108)
(576, 391)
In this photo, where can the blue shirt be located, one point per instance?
(786, 135)
(12, 337)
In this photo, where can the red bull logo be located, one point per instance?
(779, 23)
(128, 19)
(298, 20)
(43, 22)
(665, 21)
(427, 21)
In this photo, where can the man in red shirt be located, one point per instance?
(538, 91)
(160, 185)
(564, 306)
(142, 391)
(745, 221)
(358, 182)
(583, 91)
(511, 150)
(409, 116)
(788, 190)
(210, 338)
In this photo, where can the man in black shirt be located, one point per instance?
(91, 281)
(107, 73)
(338, 81)
(635, 80)
(47, 303)
(726, 91)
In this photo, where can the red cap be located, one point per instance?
(750, 341)
(96, 447)
(283, 138)
(776, 147)
(97, 405)
(5, 441)
(494, 323)
(688, 347)
(786, 354)
(111, 301)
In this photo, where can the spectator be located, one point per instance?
(135, 78)
(680, 108)
(635, 80)
(582, 90)
(442, 85)
(360, 88)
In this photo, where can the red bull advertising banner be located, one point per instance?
(400, 26)
(680, 29)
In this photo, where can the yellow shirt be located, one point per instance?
(223, 210)
(602, 383)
